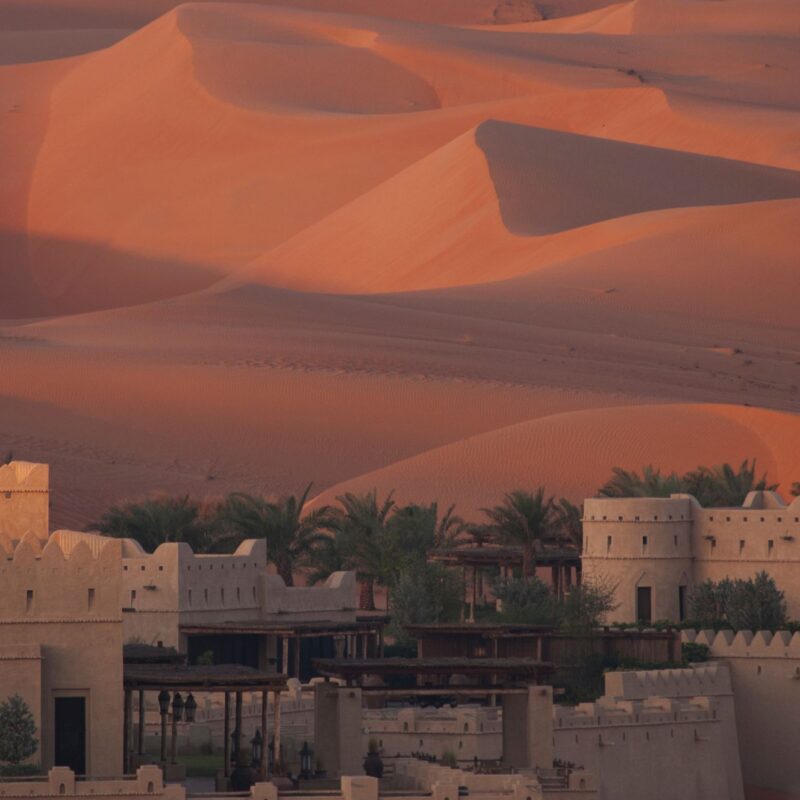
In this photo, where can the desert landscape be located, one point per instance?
(446, 248)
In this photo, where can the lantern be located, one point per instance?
(190, 707)
(177, 707)
(163, 702)
(306, 761)
(257, 745)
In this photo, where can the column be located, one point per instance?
(237, 731)
(264, 735)
(276, 727)
(140, 744)
(285, 668)
(127, 732)
(226, 734)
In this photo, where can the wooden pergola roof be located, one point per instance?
(486, 630)
(506, 668)
(300, 629)
(201, 678)
(494, 555)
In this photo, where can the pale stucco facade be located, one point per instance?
(654, 550)
(61, 645)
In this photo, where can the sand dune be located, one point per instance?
(523, 241)
(572, 454)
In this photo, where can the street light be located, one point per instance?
(163, 707)
(190, 707)
(257, 745)
(177, 707)
(306, 761)
(177, 713)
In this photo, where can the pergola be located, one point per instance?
(493, 676)
(173, 678)
(560, 560)
(359, 637)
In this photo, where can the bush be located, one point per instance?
(754, 604)
(17, 731)
(527, 601)
(693, 653)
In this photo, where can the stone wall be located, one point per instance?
(24, 502)
(61, 630)
(666, 543)
(765, 677)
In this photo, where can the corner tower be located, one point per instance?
(24, 500)
(642, 546)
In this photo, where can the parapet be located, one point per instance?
(338, 593)
(746, 644)
(706, 680)
(652, 710)
(24, 476)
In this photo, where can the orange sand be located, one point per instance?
(444, 246)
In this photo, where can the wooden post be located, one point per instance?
(285, 669)
(276, 728)
(226, 735)
(473, 595)
(127, 731)
(237, 731)
(140, 743)
(174, 747)
(264, 735)
(163, 738)
(464, 582)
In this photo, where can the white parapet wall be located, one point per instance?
(765, 678)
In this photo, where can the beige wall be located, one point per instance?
(765, 674)
(686, 544)
(69, 608)
(24, 502)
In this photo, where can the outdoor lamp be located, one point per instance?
(177, 707)
(257, 745)
(163, 702)
(190, 707)
(271, 753)
(306, 758)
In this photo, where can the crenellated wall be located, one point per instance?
(667, 543)
(61, 635)
(24, 502)
(765, 678)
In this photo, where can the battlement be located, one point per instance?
(55, 582)
(746, 644)
(24, 500)
(653, 710)
(706, 680)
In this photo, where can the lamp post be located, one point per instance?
(177, 715)
(163, 707)
(306, 761)
(257, 746)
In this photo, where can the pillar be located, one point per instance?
(140, 743)
(276, 727)
(237, 731)
(285, 668)
(226, 735)
(528, 728)
(337, 712)
(264, 734)
(127, 731)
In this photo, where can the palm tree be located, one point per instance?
(157, 520)
(362, 541)
(723, 485)
(524, 519)
(290, 535)
(651, 483)
(568, 523)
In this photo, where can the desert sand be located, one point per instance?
(443, 248)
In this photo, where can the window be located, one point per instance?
(205, 595)
(90, 599)
(644, 604)
(770, 546)
(238, 595)
(681, 603)
(741, 546)
(29, 600)
(608, 543)
(644, 542)
(133, 597)
(190, 596)
(222, 596)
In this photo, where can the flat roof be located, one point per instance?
(487, 630)
(505, 667)
(280, 628)
(197, 678)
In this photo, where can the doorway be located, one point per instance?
(70, 734)
(644, 604)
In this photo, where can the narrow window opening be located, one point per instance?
(29, 600)
(90, 599)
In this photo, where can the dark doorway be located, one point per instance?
(644, 604)
(681, 603)
(70, 733)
